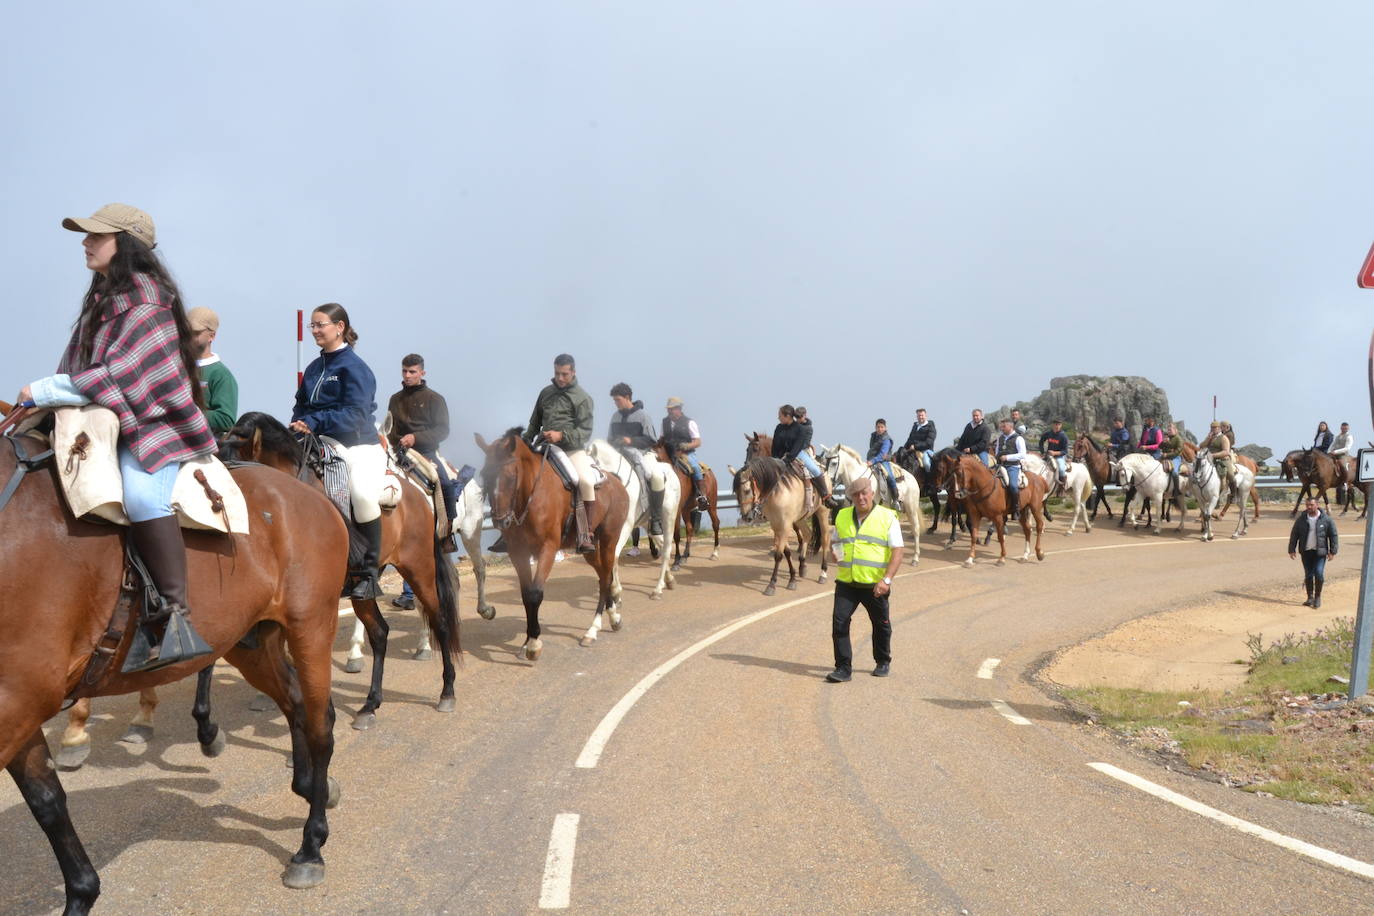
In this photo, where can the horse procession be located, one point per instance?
(118, 464)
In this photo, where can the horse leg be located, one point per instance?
(972, 535)
(715, 530)
(779, 545)
(999, 523)
(371, 619)
(76, 741)
(1039, 531)
(207, 731)
(604, 562)
(354, 662)
(791, 570)
(1024, 520)
(532, 581)
(36, 776)
(825, 547)
(436, 586)
(472, 543)
(140, 730)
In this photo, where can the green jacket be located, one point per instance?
(567, 410)
(1173, 447)
(221, 392)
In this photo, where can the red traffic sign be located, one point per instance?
(1366, 277)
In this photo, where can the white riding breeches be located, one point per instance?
(366, 479)
(586, 475)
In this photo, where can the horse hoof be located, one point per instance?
(586, 641)
(446, 704)
(616, 623)
(73, 756)
(487, 612)
(792, 586)
(770, 590)
(822, 579)
(1040, 557)
(1001, 561)
(216, 745)
(354, 665)
(1235, 537)
(137, 734)
(655, 596)
(335, 793)
(533, 649)
(301, 876)
(670, 584)
(715, 555)
(261, 703)
(968, 562)
(364, 720)
(423, 655)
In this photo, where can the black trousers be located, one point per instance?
(847, 600)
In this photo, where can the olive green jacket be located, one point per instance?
(567, 410)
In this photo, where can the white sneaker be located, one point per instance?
(632, 552)
(558, 557)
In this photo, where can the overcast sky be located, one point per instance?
(860, 207)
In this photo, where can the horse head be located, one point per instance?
(261, 437)
(746, 495)
(501, 473)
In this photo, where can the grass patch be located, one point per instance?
(1281, 733)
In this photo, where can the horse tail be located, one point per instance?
(445, 621)
(816, 523)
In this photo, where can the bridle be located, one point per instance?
(24, 464)
(509, 518)
(961, 490)
(756, 504)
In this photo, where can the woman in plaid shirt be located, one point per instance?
(130, 351)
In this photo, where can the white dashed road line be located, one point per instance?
(1011, 715)
(1326, 856)
(987, 667)
(556, 892)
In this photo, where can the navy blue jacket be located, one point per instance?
(338, 398)
(1121, 440)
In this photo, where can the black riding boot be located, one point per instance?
(703, 502)
(161, 547)
(822, 485)
(655, 512)
(585, 542)
(1014, 497)
(1308, 582)
(366, 584)
(1317, 593)
(498, 545)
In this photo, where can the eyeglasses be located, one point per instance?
(318, 325)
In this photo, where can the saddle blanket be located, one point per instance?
(85, 442)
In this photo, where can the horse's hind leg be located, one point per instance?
(76, 741)
(715, 530)
(354, 662)
(371, 619)
(207, 732)
(140, 730)
(34, 774)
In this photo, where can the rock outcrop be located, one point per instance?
(1089, 403)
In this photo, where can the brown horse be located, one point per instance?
(1088, 453)
(765, 487)
(985, 497)
(689, 516)
(1316, 471)
(530, 504)
(281, 582)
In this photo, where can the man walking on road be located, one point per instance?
(1315, 534)
(871, 537)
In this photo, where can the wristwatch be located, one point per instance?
(887, 580)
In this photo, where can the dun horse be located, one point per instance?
(765, 487)
(984, 496)
(281, 582)
(530, 504)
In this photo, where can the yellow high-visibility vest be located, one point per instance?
(866, 553)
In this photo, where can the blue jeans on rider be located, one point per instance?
(925, 456)
(983, 457)
(809, 463)
(891, 480)
(146, 496)
(1178, 462)
(1013, 476)
(694, 463)
(1061, 465)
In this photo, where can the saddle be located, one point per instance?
(563, 466)
(427, 473)
(85, 448)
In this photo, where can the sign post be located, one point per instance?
(300, 340)
(1364, 612)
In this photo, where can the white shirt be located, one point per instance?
(1342, 443)
(894, 531)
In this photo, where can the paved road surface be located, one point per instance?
(738, 782)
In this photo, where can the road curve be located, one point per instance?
(736, 781)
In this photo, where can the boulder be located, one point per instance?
(1089, 403)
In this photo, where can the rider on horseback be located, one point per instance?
(880, 455)
(1171, 452)
(790, 439)
(976, 437)
(563, 416)
(132, 329)
(1342, 450)
(921, 439)
(683, 438)
(632, 434)
(1151, 438)
(1011, 449)
(1219, 447)
(1120, 440)
(337, 401)
(1054, 445)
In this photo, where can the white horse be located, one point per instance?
(1206, 488)
(469, 522)
(1151, 482)
(1078, 486)
(661, 477)
(844, 466)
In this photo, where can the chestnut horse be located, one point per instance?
(281, 582)
(689, 516)
(984, 497)
(532, 507)
(765, 487)
(1088, 453)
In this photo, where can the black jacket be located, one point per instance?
(921, 438)
(975, 438)
(788, 440)
(635, 425)
(1327, 540)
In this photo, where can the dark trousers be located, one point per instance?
(847, 600)
(1313, 566)
(447, 485)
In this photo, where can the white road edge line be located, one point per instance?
(591, 751)
(1363, 869)
(987, 667)
(556, 892)
(1011, 715)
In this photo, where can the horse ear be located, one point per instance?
(749, 438)
(255, 444)
(731, 469)
(481, 443)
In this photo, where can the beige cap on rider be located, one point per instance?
(674, 402)
(117, 218)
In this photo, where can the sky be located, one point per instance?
(860, 207)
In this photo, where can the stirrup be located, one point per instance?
(180, 642)
(366, 587)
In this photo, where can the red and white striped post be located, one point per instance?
(300, 341)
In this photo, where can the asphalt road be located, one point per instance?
(737, 782)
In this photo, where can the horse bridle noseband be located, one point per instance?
(25, 464)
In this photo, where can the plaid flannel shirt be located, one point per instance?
(136, 370)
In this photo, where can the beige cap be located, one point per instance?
(117, 218)
(858, 484)
(203, 319)
(674, 402)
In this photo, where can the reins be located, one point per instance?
(509, 519)
(24, 464)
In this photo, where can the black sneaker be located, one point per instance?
(404, 602)
(838, 676)
(499, 546)
(883, 669)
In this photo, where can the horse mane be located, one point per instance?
(277, 439)
(1092, 441)
(849, 451)
(767, 474)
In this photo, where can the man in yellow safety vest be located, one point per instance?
(871, 537)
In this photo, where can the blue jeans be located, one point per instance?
(1313, 565)
(887, 468)
(809, 463)
(1178, 462)
(983, 457)
(925, 456)
(1014, 477)
(146, 496)
(1060, 463)
(693, 463)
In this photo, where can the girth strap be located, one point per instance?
(25, 464)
